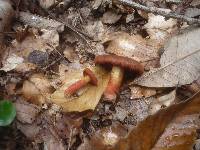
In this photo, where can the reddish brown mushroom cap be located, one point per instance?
(88, 72)
(124, 62)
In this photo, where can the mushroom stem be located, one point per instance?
(77, 85)
(114, 83)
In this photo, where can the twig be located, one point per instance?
(157, 11)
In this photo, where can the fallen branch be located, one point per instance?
(158, 11)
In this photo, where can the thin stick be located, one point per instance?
(158, 11)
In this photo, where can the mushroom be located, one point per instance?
(88, 77)
(119, 65)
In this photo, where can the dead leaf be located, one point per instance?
(107, 136)
(6, 15)
(162, 101)
(192, 12)
(26, 112)
(160, 29)
(47, 41)
(40, 22)
(110, 17)
(179, 62)
(11, 62)
(37, 89)
(141, 92)
(134, 46)
(180, 133)
(101, 4)
(95, 30)
(195, 3)
(70, 54)
(89, 98)
(51, 143)
(147, 133)
(96, 4)
(46, 3)
(130, 17)
(29, 130)
(25, 67)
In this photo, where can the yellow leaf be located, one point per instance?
(89, 99)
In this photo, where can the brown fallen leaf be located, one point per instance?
(89, 97)
(180, 133)
(141, 92)
(51, 143)
(70, 54)
(135, 47)
(179, 62)
(26, 112)
(37, 89)
(17, 54)
(107, 136)
(6, 15)
(40, 22)
(160, 29)
(47, 41)
(162, 101)
(95, 29)
(149, 131)
(110, 17)
(46, 3)
(25, 67)
(29, 130)
(11, 62)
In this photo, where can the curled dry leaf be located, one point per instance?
(37, 89)
(134, 46)
(173, 118)
(89, 97)
(179, 62)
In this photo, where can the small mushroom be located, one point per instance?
(88, 77)
(119, 65)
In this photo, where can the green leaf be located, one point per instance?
(7, 112)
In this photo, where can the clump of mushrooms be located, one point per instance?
(119, 64)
